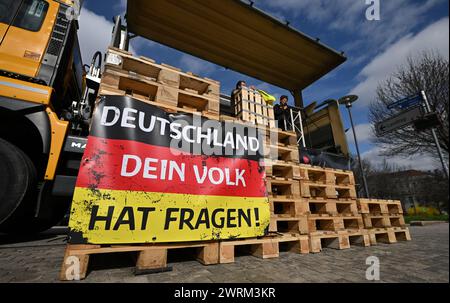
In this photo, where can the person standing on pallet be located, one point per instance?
(282, 113)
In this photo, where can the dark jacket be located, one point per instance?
(283, 116)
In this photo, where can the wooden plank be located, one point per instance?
(169, 77)
(258, 108)
(68, 270)
(209, 254)
(152, 259)
(251, 106)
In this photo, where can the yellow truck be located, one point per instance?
(47, 94)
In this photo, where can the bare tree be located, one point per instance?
(390, 181)
(427, 71)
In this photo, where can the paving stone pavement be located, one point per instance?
(424, 259)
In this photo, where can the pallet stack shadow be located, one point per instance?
(384, 220)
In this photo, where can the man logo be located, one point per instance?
(78, 145)
(373, 271)
(73, 270)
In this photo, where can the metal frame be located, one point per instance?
(296, 124)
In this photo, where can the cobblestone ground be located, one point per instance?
(424, 259)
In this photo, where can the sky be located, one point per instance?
(374, 50)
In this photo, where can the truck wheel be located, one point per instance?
(17, 186)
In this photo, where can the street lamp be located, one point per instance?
(348, 101)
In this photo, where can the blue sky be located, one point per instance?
(374, 49)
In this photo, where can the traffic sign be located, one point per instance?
(406, 102)
(398, 121)
(427, 121)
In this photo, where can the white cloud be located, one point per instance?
(351, 14)
(364, 133)
(94, 34)
(433, 37)
(416, 161)
(197, 66)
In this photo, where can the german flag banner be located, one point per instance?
(148, 176)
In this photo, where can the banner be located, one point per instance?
(148, 176)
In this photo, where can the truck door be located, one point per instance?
(8, 9)
(25, 38)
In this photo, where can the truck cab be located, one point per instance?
(41, 73)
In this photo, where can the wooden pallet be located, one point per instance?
(278, 137)
(336, 207)
(117, 82)
(288, 207)
(327, 222)
(328, 191)
(358, 237)
(389, 235)
(265, 248)
(163, 73)
(277, 169)
(326, 175)
(338, 240)
(319, 240)
(380, 221)
(149, 257)
(251, 107)
(282, 153)
(289, 189)
(378, 207)
(165, 106)
(286, 224)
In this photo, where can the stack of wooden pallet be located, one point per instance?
(250, 106)
(329, 203)
(159, 84)
(283, 187)
(288, 230)
(384, 220)
(311, 207)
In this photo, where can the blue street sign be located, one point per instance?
(406, 102)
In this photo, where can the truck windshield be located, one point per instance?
(31, 15)
(8, 9)
(27, 14)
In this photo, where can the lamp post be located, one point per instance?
(348, 101)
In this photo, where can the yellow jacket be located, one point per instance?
(267, 97)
